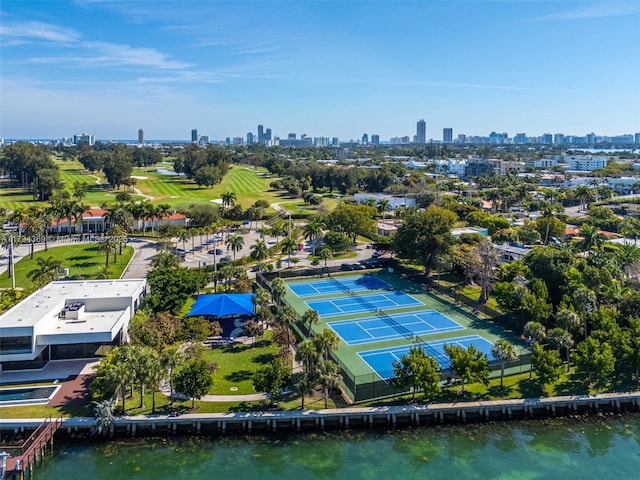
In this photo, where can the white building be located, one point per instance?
(63, 320)
(451, 166)
(542, 163)
(394, 202)
(624, 185)
(585, 163)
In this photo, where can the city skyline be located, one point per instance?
(324, 69)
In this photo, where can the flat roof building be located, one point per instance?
(68, 319)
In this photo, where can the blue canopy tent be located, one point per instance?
(223, 305)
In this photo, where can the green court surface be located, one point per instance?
(362, 373)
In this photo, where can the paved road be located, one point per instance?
(141, 261)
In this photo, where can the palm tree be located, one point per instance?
(568, 319)
(626, 256)
(155, 374)
(33, 228)
(548, 213)
(505, 352)
(562, 339)
(278, 290)
(312, 231)
(308, 355)
(286, 316)
(120, 216)
(235, 242)
(591, 237)
(493, 196)
(584, 194)
(384, 206)
(261, 301)
(327, 341)
(171, 358)
(277, 230)
(310, 317)
(165, 260)
(325, 254)
(289, 245)
(183, 235)
(228, 199)
(259, 252)
(47, 270)
(108, 245)
(329, 379)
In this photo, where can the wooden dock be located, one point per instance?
(25, 456)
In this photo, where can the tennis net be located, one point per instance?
(391, 322)
(341, 286)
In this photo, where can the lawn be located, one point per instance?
(237, 363)
(82, 259)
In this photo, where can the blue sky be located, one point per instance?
(329, 68)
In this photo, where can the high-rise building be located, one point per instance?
(80, 138)
(421, 132)
(140, 136)
(250, 138)
(365, 138)
(447, 135)
(547, 138)
(636, 137)
(267, 135)
(558, 138)
(375, 139)
(520, 138)
(261, 133)
(194, 135)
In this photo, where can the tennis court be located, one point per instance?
(381, 360)
(388, 327)
(331, 285)
(372, 302)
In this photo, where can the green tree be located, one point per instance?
(310, 317)
(118, 165)
(546, 364)
(259, 252)
(272, 378)
(289, 246)
(425, 236)
(353, 220)
(595, 359)
(194, 379)
(562, 339)
(329, 379)
(417, 371)
(312, 232)
(235, 242)
(505, 352)
(469, 364)
(303, 384)
(171, 358)
(47, 271)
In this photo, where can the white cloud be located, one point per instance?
(39, 31)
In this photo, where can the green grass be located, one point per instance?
(83, 261)
(237, 363)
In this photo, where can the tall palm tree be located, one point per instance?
(33, 228)
(329, 379)
(235, 242)
(278, 290)
(183, 235)
(584, 194)
(505, 352)
(277, 231)
(325, 254)
(548, 213)
(286, 316)
(327, 341)
(259, 252)
(121, 216)
(171, 358)
(591, 238)
(108, 244)
(308, 355)
(289, 245)
(228, 199)
(560, 339)
(310, 317)
(312, 231)
(384, 205)
(47, 270)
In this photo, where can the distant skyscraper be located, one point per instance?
(140, 136)
(447, 135)
(636, 138)
(194, 135)
(421, 132)
(250, 138)
(547, 138)
(261, 133)
(365, 138)
(267, 135)
(558, 138)
(375, 139)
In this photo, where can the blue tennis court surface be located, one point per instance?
(388, 327)
(331, 285)
(381, 360)
(372, 302)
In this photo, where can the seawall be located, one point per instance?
(336, 419)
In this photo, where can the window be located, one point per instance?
(15, 345)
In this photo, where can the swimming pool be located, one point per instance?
(27, 395)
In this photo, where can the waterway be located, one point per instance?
(559, 449)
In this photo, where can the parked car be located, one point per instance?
(216, 251)
(347, 267)
(358, 266)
